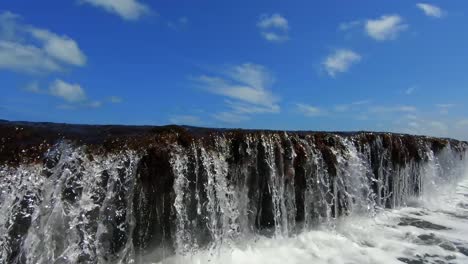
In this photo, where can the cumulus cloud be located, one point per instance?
(387, 27)
(126, 9)
(30, 49)
(274, 27)
(340, 61)
(25, 58)
(309, 110)
(431, 10)
(67, 91)
(246, 89)
(352, 106)
(73, 94)
(61, 48)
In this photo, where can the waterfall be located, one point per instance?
(133, 205)
(73, 209)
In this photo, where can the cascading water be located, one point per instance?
(68, 210)
(232, 198)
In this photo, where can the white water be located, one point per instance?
(430, 229)
(362, 240)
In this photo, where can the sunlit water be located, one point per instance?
(433, 229)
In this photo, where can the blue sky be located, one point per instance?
(293, 65)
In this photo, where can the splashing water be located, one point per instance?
(432, 229)
(268, 198)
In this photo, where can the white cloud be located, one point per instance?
(274, 37)
(362, 102)
(431, 10)
(273, 28)
(273, 21)
(61, 48)
(309, 110)
(393, 109)
(25, 58)
(422, 126)
(351, 106)
(29, 49)
(386, 27)
(445, 105)
(185, 120)
(246, 89)
(8, 25)
(407, 119)
(115, 99)
(92, 104)
(340, 61)
(73, 94)
(69, 92)
(230, 117)
(247, 83)
(246, 108)
(126, 9)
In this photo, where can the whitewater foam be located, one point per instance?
(428, 233)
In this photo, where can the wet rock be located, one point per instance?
(463, 250)
(448, 246)
(419, 223)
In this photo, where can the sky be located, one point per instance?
(398, 66)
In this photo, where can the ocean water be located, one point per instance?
(431, 229)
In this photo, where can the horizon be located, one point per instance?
(222, 129)
(393, 67)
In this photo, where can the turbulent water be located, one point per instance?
(264, 198)
(433, 229)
